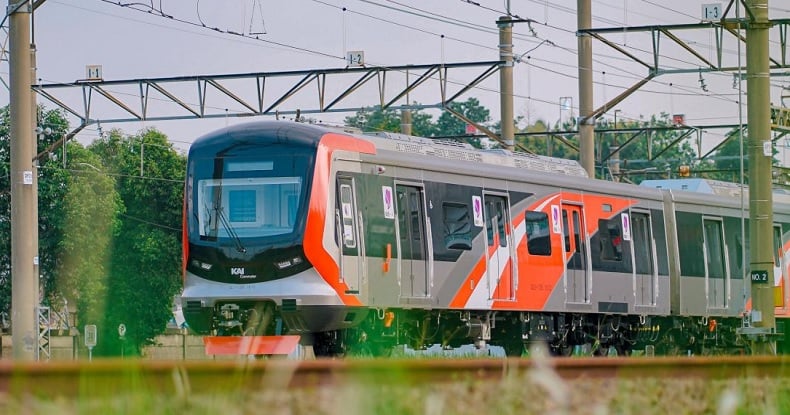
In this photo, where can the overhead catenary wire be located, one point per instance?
(535, 59)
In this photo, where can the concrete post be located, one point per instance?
(587, 124)
(24, 226)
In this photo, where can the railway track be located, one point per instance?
(111, 377)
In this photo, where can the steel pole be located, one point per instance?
(24, 227)
(760, 150)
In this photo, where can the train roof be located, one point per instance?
(713, 187)
(454, 150)
(308, 135)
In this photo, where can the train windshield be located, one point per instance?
(250, 198)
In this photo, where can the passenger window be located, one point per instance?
(347, 212)
(611, 239)
(777, 245)
(457, 226)
(538, 240)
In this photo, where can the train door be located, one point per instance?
(349, 223)
(500, 241)
(574, 236)
(645, 278)
(716, 265)
(412, 241)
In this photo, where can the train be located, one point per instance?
(361, 243)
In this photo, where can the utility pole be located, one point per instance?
(761, 249)
(405, 122)
(505, 25)
(24, 224)
(586, 120)
(405, 114)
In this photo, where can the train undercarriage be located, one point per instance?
(377, 332)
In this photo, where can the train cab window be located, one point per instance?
(248, 207)
(611, 239)
(457, 226)
(538, 237)
(242, 206)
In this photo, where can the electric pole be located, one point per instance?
(586, 120)
(761, 249)
(24, 223)
(506, 80)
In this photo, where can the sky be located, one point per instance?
(131, 39)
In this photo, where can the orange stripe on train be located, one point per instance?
(314, 248)
(539, 275)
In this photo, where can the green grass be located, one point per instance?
(513, 395)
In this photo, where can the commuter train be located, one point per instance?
(361, 243)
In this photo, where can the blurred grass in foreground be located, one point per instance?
(537, 391)
(520, 394)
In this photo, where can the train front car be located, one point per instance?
(247, 213)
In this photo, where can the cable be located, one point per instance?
(132, 6)
(406, 26)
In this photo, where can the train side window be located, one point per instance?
(566, 230)
(495, 213)
(538, 237)
(611, 239)
(347, 214)
(739, 251)
(777, 245)
(576, 230)
(457, 226)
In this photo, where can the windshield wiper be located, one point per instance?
(229, 229)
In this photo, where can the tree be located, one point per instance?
(375, 119)
(726, 161)
(51, 191)
(449, 125)
(91, 208)
(644, 154)
(145, 268)
(540, 144)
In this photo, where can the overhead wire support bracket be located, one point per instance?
(78, 100)
(201, 105)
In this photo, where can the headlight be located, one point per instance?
(202, 265)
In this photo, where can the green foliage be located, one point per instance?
(145, 271)
(725, 162)
(374, 119)
(51, 191)
(645, 154)
(450, 125)
(90, 212)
